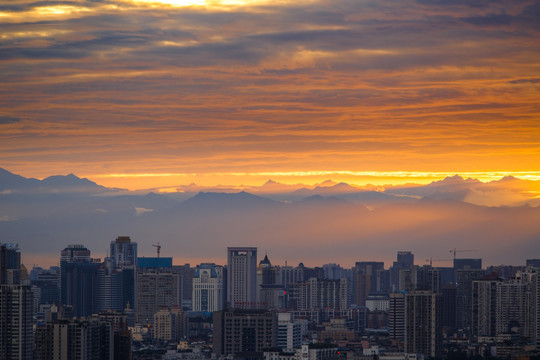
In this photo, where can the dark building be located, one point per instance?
(16, 308)
(396, 316)
(244, 331)
(365, 275)
(448, 292)
(533, 262)
(185, 277)
(464, 280)
(405, 260)
(467, 264)
(90, 338)
(78, 287)
(423, 317)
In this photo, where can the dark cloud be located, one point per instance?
(525, 81)
(9, 119)
(489, 20)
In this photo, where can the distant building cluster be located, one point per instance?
(131, 307)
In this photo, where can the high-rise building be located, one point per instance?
(169, 324)
(423, 330)
(319, 294)
(78, 279)
(238, 331)
(448, 292)
(78, 286)
(242, 277)
(513, 301)
(109, 287)
(484, 306)
(156, 288)
(365, 275)
(89, 338)
(396, 316)
(208, 292)
(420, 278)
(405, 260)
(464, 280)
(185, 277)
(124, 251)
(16, 308)
(289, 334)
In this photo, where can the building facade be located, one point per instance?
(242, 277)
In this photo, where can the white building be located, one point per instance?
(289, 333)
(207, 294)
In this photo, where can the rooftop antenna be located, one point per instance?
(158, 248)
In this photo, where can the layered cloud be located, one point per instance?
(100, 87)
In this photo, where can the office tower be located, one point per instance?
(169, 324)
(423, 330)
(208, 294)
(467, 264)
(484, 306)
(448, 292)
(78, 279)
(109, 287)
(289, 334)
(185, 278)
(396, 316)
(242, 277)
(156, 288)
(10, 264)
(239, 330)
(405, 260)
(364, 277)
(464, 280)
(78, 287)
(533, 262)
(74, 253)
(16, 308)
(124, 251)
(48, 282)
(90, 338)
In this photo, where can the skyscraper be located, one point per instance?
(156, 287)
(16, 308)
(242, 277)
(405, 260)
(423, 329)
(396, 316)
(124, 255)
(124, 251)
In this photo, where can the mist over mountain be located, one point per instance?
(326, 223)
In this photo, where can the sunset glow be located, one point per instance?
(162, 93)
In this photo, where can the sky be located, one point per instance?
(142, 94)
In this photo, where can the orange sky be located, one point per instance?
(238, 92)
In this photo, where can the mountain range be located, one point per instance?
(327, 222)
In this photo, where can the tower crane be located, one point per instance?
(158, 248)
(456, 251)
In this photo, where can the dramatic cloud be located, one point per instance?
(196, 87)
